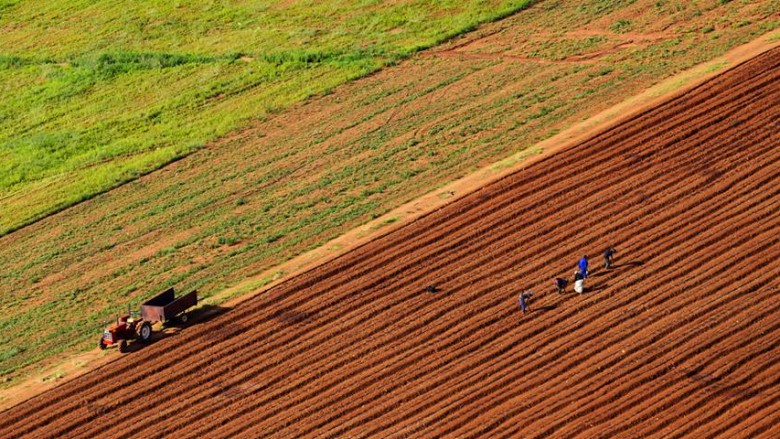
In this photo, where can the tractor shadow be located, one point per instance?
(626, 265)
(294, 317)
(198, 316)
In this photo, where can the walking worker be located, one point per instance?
(560, 284)
(579, 282)
(608, 254)
(524, 298)
(583, 266)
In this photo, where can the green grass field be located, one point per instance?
(96, 93)
(293, 178)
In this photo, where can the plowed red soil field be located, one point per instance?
(680, 339)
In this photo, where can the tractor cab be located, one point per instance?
(124, 329)
(122, 322)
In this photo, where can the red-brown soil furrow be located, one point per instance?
(320, 347)
(737, 382)
(528, 387)
(527, 380)
(671, 364)
(758, 387)
(761, 425)
(525, 383)
(762, 366)
(633, 396)
(355, 348)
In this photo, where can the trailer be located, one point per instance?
(162, 308)
(165, 307)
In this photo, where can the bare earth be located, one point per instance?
(680, 339)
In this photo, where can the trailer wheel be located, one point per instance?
(102, 344)
(122, 346)
(145, 332)
(184, 318)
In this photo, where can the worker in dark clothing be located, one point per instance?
(560, 284)
(608, 254)
(583, 266)
(524, 298)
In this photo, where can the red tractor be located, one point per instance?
(127, 327)
(162, 308)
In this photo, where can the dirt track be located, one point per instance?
(681, 339)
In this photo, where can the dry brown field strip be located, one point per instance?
(681, 338)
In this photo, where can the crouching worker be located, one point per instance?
(579, 282)
(560, 284)
(524, 299)
(609, 254)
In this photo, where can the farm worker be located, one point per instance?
(579, 282)
(524, 298)
(583, 266)
(560, 284)
(608, 254)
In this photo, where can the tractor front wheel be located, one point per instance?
(145, 332)
(102, 344)
(122, 346)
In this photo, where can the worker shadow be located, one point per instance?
(545, 308)
(595, 288)
(716, 384)
(293, 316)
(625, 265)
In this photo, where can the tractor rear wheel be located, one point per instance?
(145, 332)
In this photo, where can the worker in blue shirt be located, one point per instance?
(524, 298)
(583, 266)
